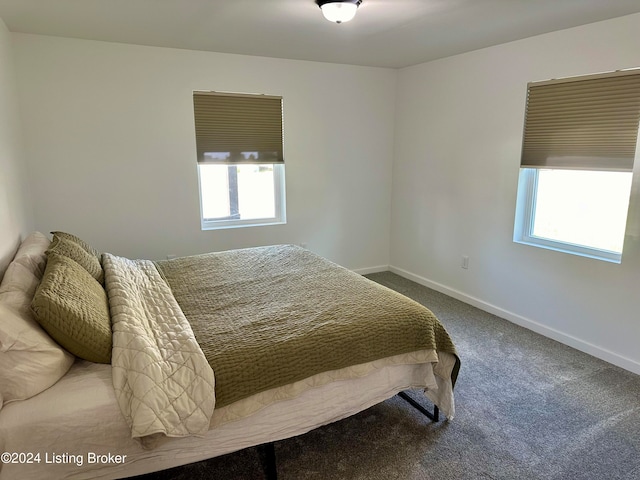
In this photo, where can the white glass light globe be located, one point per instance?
(339, 12)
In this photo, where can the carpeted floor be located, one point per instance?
(527, 408)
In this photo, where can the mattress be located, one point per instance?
(75, 430)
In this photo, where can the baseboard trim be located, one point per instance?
(367, 271)
(570, 340)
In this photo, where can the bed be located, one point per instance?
(198, 356)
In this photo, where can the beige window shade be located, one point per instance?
(586, 122)
(237, 128)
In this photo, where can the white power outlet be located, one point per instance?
(465, 262)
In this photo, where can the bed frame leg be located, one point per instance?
(267, 454)
(435, 416)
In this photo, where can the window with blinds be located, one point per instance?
(578, 152)
(240, 155)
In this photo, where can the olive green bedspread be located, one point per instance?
(269, 316)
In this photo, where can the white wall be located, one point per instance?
(458, 140)
(110, 141)
(15, 220)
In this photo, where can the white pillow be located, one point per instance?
(30, 361)
(24, 273)
(32, 253)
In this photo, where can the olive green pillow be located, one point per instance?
(76, 252)
(79, 241)
(73, 308)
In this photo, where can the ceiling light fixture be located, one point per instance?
(339, 11)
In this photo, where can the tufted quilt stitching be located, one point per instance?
(162, 379)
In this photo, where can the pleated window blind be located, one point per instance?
(238, 128)
(586, 122)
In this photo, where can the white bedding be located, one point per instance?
(162, 380)
(80, 414)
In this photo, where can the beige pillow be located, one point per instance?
(31, 253)
(30, 361)
(75, 252)
(73, 308)
(24, 273)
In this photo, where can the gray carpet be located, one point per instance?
(527, 408)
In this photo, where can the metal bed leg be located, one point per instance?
(267, 454)
(435, 416)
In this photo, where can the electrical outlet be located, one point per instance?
(465, 262)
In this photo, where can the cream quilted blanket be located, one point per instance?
(162, 380)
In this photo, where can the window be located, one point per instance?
(240, 159)
(575, 211)
(578, 152)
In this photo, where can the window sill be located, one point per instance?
(239, 224)
(571, 249)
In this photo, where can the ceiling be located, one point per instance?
(384, 33)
